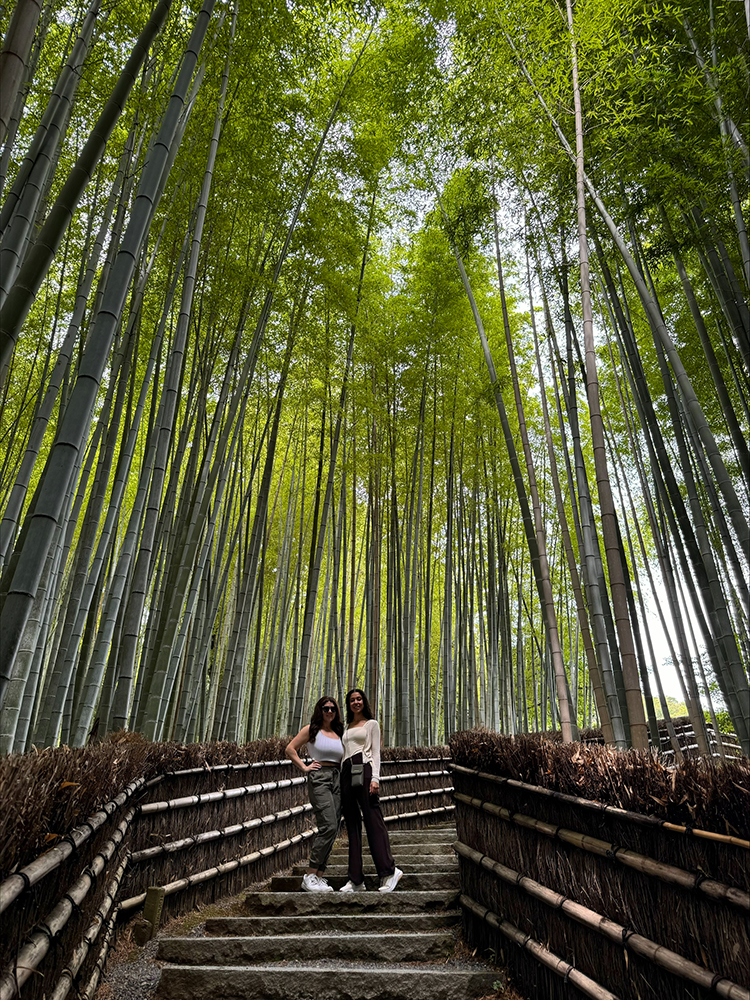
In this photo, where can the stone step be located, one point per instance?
(335, 923)
(275, 904)
(444, 864)
(439, 828)
(426, 852)
(408, 882)
(422, 836)
(334, 981)
(412, 947)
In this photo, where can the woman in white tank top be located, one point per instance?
(323, 739)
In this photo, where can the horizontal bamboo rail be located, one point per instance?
(167, 805)
(216, 769)
(90, 989)
(150, 808)
(171, 846)
(622, 814)
(277, 763)
(12, 887)
(41, 940)
(386, 778)
(414, 760)
(211, 873)
(640, 862)
(69, 973)
(559, 966)
(619, 935)
(438, 810)
(425, 793)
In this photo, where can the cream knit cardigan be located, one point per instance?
(371, 751)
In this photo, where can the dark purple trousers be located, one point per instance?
(357, 804)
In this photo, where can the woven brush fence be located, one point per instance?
(203, 834)
(85, 833)
(683, 727)
(594, 873)
(416, 788)
(720, 744)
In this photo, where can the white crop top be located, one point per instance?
(326, 749)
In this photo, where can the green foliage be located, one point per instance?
(437, 106)
(724, 720)
(676, 708)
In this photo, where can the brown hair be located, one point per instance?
(366, 710)
(316, 723)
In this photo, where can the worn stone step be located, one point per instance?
(334, 981)
(422, 836)
(405, 847)
(274, 904)
(404, 861)
(443, 864)
(415, 851)
(335, 923)
(434, 854)
(416, 836)
(408, 882)
(412, 947)
(426, 852)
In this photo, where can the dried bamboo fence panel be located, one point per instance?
(44, 790)
(541, 954)
(44, 937)
(688, 742)
(679, 899)
(695, 881)
(718, 742)
(231, 816)
(105, 917)
(718, 856)
(416, 792)
(236, 812)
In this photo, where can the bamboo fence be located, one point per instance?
(198, 832)
(585, 898)
(720, 744)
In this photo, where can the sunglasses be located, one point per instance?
(329, 708)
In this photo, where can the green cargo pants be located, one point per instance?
(324, 790)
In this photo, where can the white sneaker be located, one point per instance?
(351, 887)
(313, 883)
(390, 882)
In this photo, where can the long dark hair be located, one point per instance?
(316, 723)
(366, 710)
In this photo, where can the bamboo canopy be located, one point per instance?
(333, 354)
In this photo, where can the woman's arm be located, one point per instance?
(293, 748)
(375, 751)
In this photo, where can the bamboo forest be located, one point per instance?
(390, 343)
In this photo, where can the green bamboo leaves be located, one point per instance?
(249, 449)
(21, 587)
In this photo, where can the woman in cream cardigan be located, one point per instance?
(360, 788)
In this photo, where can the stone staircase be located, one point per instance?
(295, 945)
